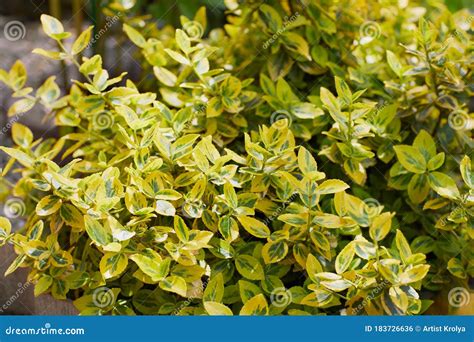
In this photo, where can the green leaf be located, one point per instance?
(343, 90)
(436, 162)
(313, 267)
(113, 264)
(135, 36)
(97, 232)
(165, 76)
(318, 298)
(306, 162)
(20, 156)
(229, 228)
(5, 227)
(174, 284)
(82, 41)
(443, 185)
(414, 274)
(48, 205)
(183, 41)
(456, 268)
(418, 188)
(402, 246)
(214, 291)
(411, 158)
(331, 186)
(332, 221)
(466, 172)
(217, 309)
(380, 226)
(270, 17)
(273, 252)
(394, 63)
(43, 284)
(254, 227)
(181, 230)
(22, 135)
(52, 26)
(344, 258)
(165, 208)
(249, 267)
(425, 144)
(256, 306)
(151, 263)
(306, 111)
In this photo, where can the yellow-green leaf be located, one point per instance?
(256, 306)
(380, 226)
(22, 135)
(97, 232)
(249, 267)
(273, 252)
(254, 226)
(217, 309)
(344, 258)
(48, 205)
(411, 158)
(174, 284)
(113, 264)
(82, 41)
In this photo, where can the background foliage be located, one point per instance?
(308, 157)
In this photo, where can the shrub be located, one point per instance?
(305, 159)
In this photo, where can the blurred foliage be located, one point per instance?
(304, 158)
